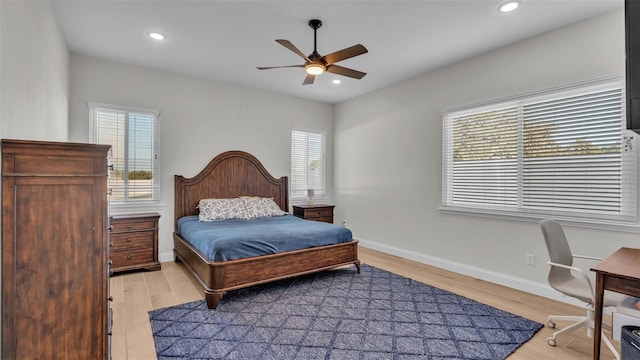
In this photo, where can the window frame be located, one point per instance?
(619, 222)
(297, 196)
(127, 206)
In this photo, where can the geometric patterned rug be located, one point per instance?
(339, 314)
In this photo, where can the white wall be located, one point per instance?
(393, 205)
(34, 72)
(198, 120)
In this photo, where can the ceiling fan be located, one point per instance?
(315, 64)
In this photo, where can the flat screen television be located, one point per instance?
(632, 35)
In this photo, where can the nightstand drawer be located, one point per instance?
(124, 241)
(118, 226)
(133, 257)
(313, 214)
(327, 219)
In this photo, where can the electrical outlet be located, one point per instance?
(531, 260)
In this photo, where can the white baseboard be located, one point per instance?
(166, 256)
(513, 282)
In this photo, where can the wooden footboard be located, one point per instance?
(219, 277)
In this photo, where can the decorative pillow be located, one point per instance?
(221, 209)
(261, 207)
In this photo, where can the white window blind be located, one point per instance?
(557, 154)
(133, 136)
(307, 163)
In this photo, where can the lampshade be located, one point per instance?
(310, 193)
(314, 69)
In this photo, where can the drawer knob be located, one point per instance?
(110, 298)
(128, 257)
(128, 239)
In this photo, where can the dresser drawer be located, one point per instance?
(117, 226)
(132, 257)
(124, 241)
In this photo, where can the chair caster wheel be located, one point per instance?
(551, 341)
(551, 324)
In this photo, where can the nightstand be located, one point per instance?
(318, 212)
(133, 242)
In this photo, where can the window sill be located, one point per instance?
(122, 209)
(596, 224)
(305, 201)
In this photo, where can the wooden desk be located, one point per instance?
(619, 272)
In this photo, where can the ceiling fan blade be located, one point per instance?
(290, 46)
(309, 79)
(277, 67)
(344, 54)
(341, 70)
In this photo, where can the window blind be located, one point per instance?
(307, 163)
(484, 162)
(133, 139)
(572, 153)
(558, 153)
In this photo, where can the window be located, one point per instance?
(559, 154)
(133, 136)
(307, 164)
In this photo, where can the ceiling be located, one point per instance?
(226, 40)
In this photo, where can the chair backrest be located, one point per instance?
(557, 244)
(559, 252)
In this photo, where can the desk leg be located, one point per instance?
(597, 308)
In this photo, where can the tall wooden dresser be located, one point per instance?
(55, 282)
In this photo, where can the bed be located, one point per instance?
(230, 175)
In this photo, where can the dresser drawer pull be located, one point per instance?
(128, 257)
(110, 298)
(128, 239)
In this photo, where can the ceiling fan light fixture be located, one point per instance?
(156, 35)
(314, 69)
(509, 6)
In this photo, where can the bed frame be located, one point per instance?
(232, 174)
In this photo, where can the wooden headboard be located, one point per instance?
(228, 175)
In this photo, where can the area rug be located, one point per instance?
(343, 315)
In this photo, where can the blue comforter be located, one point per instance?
(236, 239)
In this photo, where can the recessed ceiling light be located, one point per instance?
(156, 36)
(509, 6)
(336, 81)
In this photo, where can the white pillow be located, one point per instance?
(221, 209)
(261, 207)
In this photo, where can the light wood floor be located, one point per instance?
(134, 294)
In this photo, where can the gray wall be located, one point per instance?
(392, 204)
